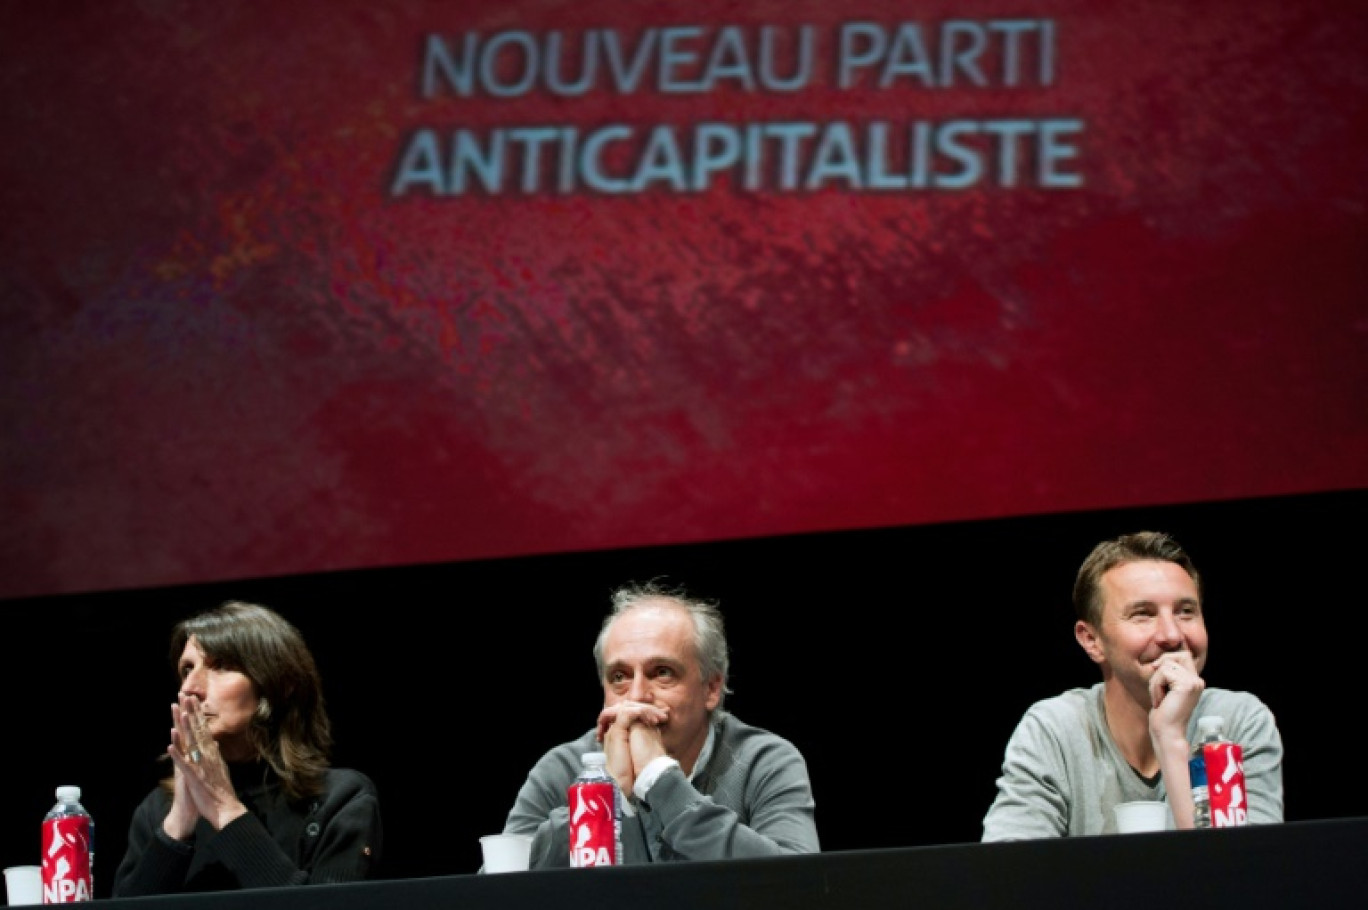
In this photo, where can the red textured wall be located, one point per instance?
(230, 348)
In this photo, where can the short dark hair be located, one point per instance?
(1087, 592)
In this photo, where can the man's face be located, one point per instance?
(649, 657)
(1149, 608)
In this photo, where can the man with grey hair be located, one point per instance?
(697, 783)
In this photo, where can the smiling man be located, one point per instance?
(1074, 757)
(697, 783)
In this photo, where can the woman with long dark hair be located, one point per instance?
(251, 800)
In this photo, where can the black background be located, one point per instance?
(898, 660)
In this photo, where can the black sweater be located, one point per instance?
(335, 837)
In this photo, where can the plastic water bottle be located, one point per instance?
(1201, 799)
(595, 815)
(68, 850)
(1216, 768)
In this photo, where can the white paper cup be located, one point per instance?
(1144, 815)
(506, 852)
(24, 885)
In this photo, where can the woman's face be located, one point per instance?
(227, 699)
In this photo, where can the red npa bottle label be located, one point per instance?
(66, 860)
(593, 825)
(1226, 784)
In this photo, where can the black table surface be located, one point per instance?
(1315, 864)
